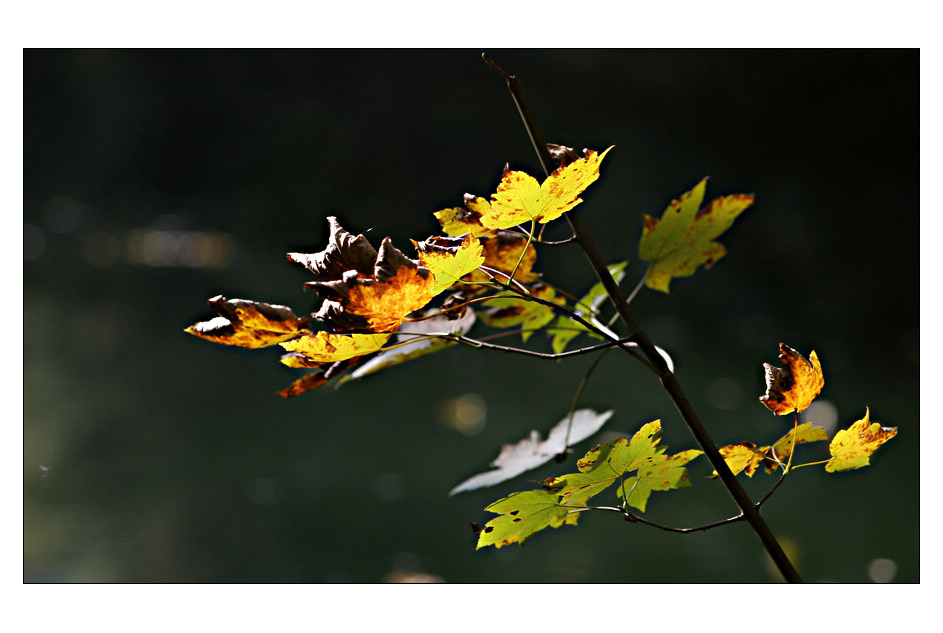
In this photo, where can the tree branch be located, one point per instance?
(668, 380)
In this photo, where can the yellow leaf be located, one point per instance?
(449, 265)
(249, 324)
(852, 448)
(742, 457)
(683, 239)
(324, 347)
(794, 386)
(460, 221)
(520, 198)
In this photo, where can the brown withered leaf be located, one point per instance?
(249, 324)
(794, 386)
(308, 382)
(365, 290)
(344, 252)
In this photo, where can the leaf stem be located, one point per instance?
(655, 361)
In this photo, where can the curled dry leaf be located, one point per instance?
(366, 290)
(249, 324)
(794, 386)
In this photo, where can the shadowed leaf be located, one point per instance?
(531, 452)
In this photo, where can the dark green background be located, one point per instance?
(150, 455)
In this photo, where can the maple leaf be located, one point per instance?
(366, 290)
(852, 448)
(459, 221)
(683, 239)
(510, 311)
(522, 515)
(608, 463)
(249, 324)
(324, 347)
(741, 457)
(450, 259)
(409, 346)
(794, 386)
(520, 198)
(531, 452)
(746, 457)
(502, 252)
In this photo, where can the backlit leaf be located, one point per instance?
(521, 199)
(794, 386)
(324, 347)
(661, 472)
(852, 448)
(782, 449)
(364, 289)
(610, 462)
(460, 221)
(746, 457)
(683, 238)
(522, 515)
(450, 261)
(531, 452)
(743, 457)
(249, 324)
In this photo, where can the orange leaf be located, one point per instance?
(249, 324)
(794, 386)
(385, 304)
(363, 289)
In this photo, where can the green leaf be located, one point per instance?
(610, 462)
(661, 472)
(522, 515)
(684, 237)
